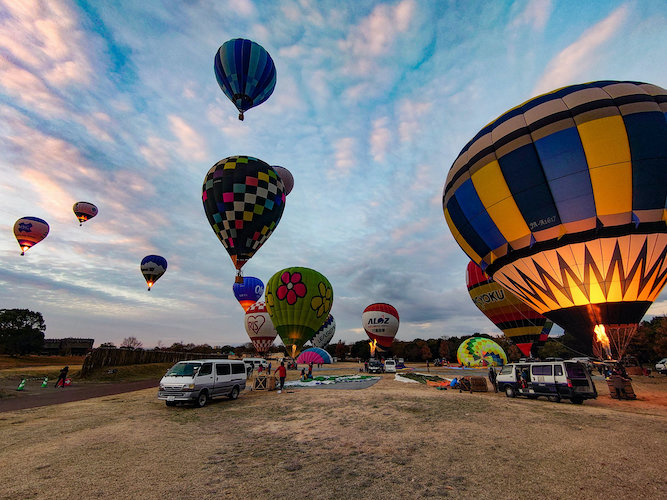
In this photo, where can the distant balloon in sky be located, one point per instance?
(29, 231)
(152, 267)
(248, 292)
(298, 300)
(480, 351)
(84, 211)
(243, 200)
(259, 327)
(286, 177)
(245, 73)
(380, 321)
(518, 321)
(561, 200)
(325, 333)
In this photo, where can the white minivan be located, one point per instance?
(554, 379)
(390, 366)
(198, 381)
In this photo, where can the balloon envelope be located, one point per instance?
(248, 292)
(298, 300)
(84, 211)
(314, 355)
(152, 267)
(518, 321)
(243, 200)
(480, 351)
(380, 322)
(562, 201)
(29, 231)
(325, 333)
(286, 177)
(245, 72)
(259, 327)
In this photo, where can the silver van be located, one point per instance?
(198, 381)
(554, 379)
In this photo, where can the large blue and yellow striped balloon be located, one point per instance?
(562, 200)
(245, 73)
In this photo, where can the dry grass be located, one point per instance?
(392, 440)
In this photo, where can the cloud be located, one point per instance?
(575, 60)
(536, 15)
(346, 157)
(412, 118)
(192, 145)
(380, 138)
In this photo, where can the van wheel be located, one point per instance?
(576, 401)
(235, 393)
(170, 403)
(509, 391)
(554, 399)
(202, 399)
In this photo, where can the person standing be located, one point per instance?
(62, 376)
(282, 373)
(492, 378)
(310, 370)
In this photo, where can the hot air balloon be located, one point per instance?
(29, 231)
(298, 300)
(245, 73)
(380, 321)
(286, 176)
(480, 351)
(84, 211)
(314, 355)
(243, 199)
(561, 200)
(248, 292)
(259, 327)
(325, 333)
(518, 321)
(152, 267)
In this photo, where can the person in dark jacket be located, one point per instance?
(492, 378)
(62, 376)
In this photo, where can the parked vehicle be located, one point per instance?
(554, 379)
(390, 366)
(661, 366)
(198, 381)
(586, 361)
(253, 364)
(375, 366)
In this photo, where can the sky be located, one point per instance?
(117, 104)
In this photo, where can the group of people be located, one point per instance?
(307, 376)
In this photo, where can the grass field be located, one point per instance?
(392, 440)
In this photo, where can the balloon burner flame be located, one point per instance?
(373, 344)
(601, 342)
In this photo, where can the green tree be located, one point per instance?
(360, 349)
(21, 331)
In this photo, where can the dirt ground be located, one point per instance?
(391, 440)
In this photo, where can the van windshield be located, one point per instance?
(575, 370)
(183, 369)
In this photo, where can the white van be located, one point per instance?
(255, 363)
(197, 381)
(554, 379)
(390, 366)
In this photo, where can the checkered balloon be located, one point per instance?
(244, 200)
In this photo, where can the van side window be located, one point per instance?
(558, 370)
(506, 370)
(541, 369)
(222, 369)
(238, 368)
(206, 369)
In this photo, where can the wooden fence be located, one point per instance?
(102, 357)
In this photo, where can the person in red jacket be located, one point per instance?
(282, 373)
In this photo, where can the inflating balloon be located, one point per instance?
(248, 292)
(518, 321)
(84, 211)
(152, 267)
(380, 322)
(314, 355)
(561, 200)
(244, 200)
(29, 231)
(325, 333)
(245, 73)
(480, 351)
(286, 177)
(298, 300)
(259, 327)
